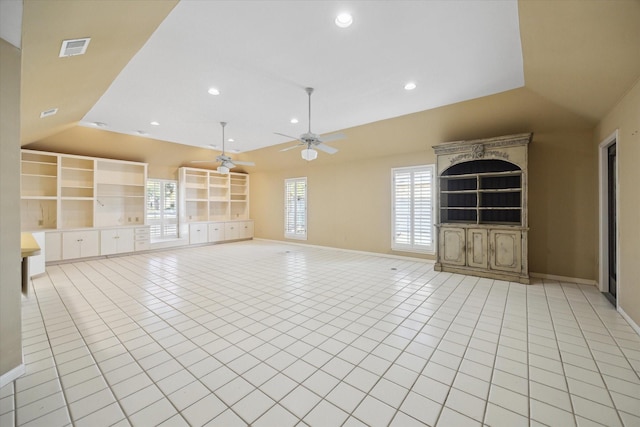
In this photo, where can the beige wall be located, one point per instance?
(625, 117)
(349, 193)
(10, 315)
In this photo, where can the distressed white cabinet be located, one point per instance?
(116, 241)
(482, 216)
(80, 244)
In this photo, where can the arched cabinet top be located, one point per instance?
(510, 149)
(480, 166)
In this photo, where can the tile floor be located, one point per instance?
(267, 334)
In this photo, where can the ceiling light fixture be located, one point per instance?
(222, 169)
(309, 154)
(410, 86)
(230, 140)
(293, 121)
(213, 91)
(154, 123)
(344, 20)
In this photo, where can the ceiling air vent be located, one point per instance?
(74, 47)
(48, 113)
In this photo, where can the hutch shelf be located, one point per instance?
(482, 207)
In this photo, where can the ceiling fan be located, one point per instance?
(225, 161)
(311, 141)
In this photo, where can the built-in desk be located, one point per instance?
(28, 247)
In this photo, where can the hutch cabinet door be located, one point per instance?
(506, 250)
(477, 248)
(452, 246)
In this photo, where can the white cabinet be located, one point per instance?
(116, 241)
(238, 230)
(198, 233)
(482, 217)
(64, 191)
(80, 244)
(53, 245)
(36, 262)
(216, 232)
(142, 238)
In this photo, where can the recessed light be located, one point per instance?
(154, 123)
(410, 86)
(213, 91)
(230, 140)
(141, 132)
(344, 20)
(294, 120)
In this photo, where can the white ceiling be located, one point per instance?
(262, 54)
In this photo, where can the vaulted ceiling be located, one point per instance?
(155, 60)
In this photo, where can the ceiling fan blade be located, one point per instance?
(291, 148)
(325, 148)
(237, 162)
(295, 138)
(332, 137)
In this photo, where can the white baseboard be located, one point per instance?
(407, 257)
(564, 279)
(12, 375)
(629, 320)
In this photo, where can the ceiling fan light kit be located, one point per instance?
(309, 154)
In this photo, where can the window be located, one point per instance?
(295, 209)
(412, 215)
(162, 208)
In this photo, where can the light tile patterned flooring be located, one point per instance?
(270, 334)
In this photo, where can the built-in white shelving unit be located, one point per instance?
(214, 207)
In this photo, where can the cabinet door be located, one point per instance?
(53, 245)
(125, 240)
(452, 246)
(197, 233)
(477, 248)
(216, 232)
(505, 247)
(108, 242)
(90, 245)
(245, 229)
(71, 244)
(232, 231)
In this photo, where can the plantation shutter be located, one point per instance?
(412, 200)
(295, 217)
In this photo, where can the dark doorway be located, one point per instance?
(612, 185)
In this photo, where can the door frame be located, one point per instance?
(603, 274)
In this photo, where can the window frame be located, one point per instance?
(412, 246)
(295, 234)
(163, 222)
